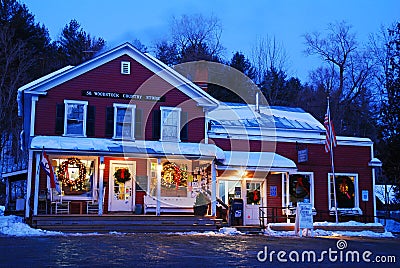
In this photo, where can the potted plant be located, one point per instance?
(201, 204)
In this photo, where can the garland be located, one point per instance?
(122, 175)
(63, 175)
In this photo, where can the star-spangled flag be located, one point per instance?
(330, 139)
(49, 170)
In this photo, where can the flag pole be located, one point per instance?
(332, 162)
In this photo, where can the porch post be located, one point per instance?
(36, 193)
(158, 207)
(28, 184)
(101, 185)
(213, 189)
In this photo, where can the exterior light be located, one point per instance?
(102, 166)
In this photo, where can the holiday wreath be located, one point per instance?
(345, 191)
(299, 186)
(173, 176)
(122, 175)
(63, 174)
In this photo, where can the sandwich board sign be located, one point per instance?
(304, 218)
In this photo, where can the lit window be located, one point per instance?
(170, 124)
(124, 118)
(346, 192)
(75, 118)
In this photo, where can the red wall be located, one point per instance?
(107, 78)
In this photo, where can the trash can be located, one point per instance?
(236, 212)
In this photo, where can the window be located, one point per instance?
(75, 118)
(76, 176)
(170, 123)
(253, 193)
(125, 67)
(346, 186)
(298, 187)
(124, 118)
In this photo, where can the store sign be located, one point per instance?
(304, 216)
(124, 96)
(364, 195)
(302, 155)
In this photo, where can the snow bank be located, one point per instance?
(13, 226)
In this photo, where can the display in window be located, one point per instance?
(72, 173)
(299, 189)
(345, 191)
(253, 193)
(174, 176)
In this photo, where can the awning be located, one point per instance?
(139, 147)
(257, 161)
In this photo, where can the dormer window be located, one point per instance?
(125, 67)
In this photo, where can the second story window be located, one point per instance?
(170, 123)
(75, 118)
(124, 121)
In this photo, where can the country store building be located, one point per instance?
(125, 133)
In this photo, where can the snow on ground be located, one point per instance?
(14, 226)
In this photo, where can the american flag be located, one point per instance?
(330, 139)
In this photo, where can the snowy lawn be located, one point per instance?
(14, 226)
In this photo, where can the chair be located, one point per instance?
(43, 200)
(92, 207)
(60, 206)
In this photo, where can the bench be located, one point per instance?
(169, 204)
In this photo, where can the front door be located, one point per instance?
(122, 191)
(253, 200)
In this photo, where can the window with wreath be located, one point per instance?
(75, 118)
(346, 191)
(75, 175)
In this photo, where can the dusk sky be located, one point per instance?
(243, 22)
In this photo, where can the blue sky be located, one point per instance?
(243, 22)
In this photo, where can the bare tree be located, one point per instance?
(268, 54)
(348, 76)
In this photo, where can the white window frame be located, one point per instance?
(178, 126)
(131, 107)
(125, 64)
(70, 102)
(286, 194)
(356, 209)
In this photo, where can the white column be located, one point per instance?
(28, 184)
(373, 195)
(159, 168)
(33, 115)
(101, 185)
(36, 194)
(213, 189)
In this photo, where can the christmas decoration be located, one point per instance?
(122, 175)
(173, 175)
(76, 183)
(299, 187)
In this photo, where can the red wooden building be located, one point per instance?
(125, 133)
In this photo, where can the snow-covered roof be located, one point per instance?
(42, 85)
(256, 161)
(139, 147)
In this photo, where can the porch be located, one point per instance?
(125, 223)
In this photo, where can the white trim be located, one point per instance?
(130, 164)
(36, 193)
(356, 209)
(85, 104)
(131, 107)
(312, 187)
(14, 173)
(33, 115)
(178, 126)
(42, 85)
(29, 183)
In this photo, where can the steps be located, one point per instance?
(125, 223)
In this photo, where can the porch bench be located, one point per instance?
(169, 204)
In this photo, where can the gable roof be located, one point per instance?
(43, 84)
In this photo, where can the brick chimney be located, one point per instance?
(201, 75)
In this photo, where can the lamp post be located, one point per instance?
(101, 186)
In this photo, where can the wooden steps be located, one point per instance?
(334, 228)
(125, 223)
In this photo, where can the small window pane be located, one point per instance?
(75, 117)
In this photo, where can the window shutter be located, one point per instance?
(90, 120)
(109, 121)
(156, 124)
(184, 126)
(60, 111)
(138, 123)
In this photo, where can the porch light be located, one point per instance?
(242, 173)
